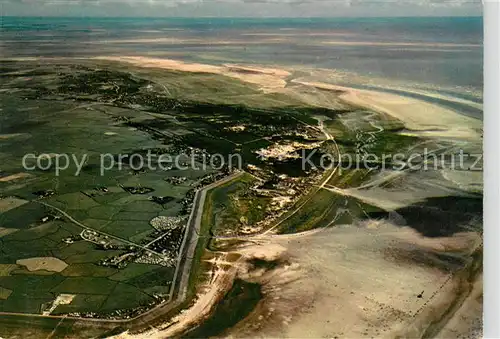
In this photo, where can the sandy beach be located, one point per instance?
(268, 79)
(420, 118)
(323, 292)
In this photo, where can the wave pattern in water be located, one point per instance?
(440, 51)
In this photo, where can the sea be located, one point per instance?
(443, 52)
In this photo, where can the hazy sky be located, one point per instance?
(241, 8)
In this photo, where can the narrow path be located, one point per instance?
(162, 308)
(320, 186)
(76, 222)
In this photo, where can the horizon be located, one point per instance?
(241, 8)
(243, 17)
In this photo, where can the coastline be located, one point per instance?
(420, 118)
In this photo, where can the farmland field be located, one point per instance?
(87, 230)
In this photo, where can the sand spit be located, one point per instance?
(420, 117)
(257, 70)
(268, 79)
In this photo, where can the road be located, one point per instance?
(186, 253)
(320, 186)
(191, 237)
(184, 259)
(76, 222)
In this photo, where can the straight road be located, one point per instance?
(184, 259)
(191, 238)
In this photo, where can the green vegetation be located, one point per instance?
(346, 178)
(231, 206)
(325, 209)
(104, 108)
(85, 285)
(4, 293)
(88, 270)
(82, 303)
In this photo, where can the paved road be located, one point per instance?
(322, 185)
(181, 278)
(73, 220)
(191, 237)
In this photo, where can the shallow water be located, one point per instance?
(438, 51)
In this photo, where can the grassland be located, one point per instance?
(104, 108)
(232, 206)
(326, 209)
(79, 110)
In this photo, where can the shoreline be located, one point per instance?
(422, 118)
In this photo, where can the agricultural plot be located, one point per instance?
(37, 266)
(107, 239)
(347, 178)
(83, 235)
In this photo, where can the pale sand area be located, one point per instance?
(407, 187)
(467, 322)
(62, 299)
(267, 78)
(438, 95)
(208, 295)
(356, 283)
(352, 282)
(422, 118)
(50, 264)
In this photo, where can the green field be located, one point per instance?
(97, 223)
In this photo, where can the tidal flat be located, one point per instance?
(354, 223)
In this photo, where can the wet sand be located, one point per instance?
(267, 78)
(368, 280)
(356, 283)
(374, 280)
(420, 117)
